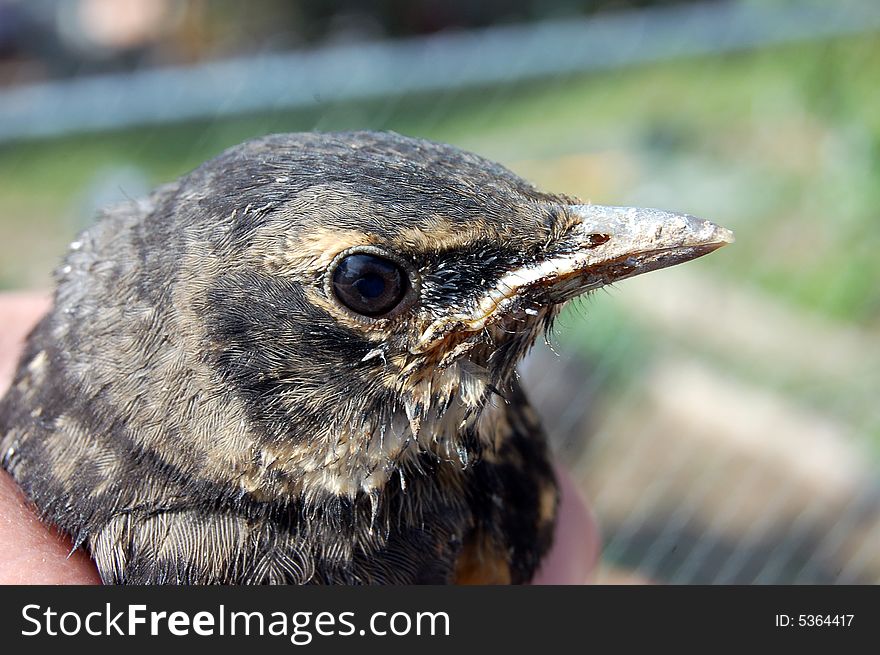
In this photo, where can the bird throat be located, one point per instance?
(450, 416)
(445, 406)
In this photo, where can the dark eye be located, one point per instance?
(369, 284)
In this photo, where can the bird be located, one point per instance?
(297, 365)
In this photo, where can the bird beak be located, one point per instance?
(607, 244)
(614, 243)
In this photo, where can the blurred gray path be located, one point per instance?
(701, 475)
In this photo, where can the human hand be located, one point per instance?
(32, 552)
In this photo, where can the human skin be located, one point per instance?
(32, 552)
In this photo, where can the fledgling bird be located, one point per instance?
(296, 364)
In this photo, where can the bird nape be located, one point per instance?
(296, 365)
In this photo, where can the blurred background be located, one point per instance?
(723, 417)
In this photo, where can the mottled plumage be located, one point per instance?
(202, 406)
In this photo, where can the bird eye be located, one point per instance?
(369, 284)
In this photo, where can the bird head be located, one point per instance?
(367, 296)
